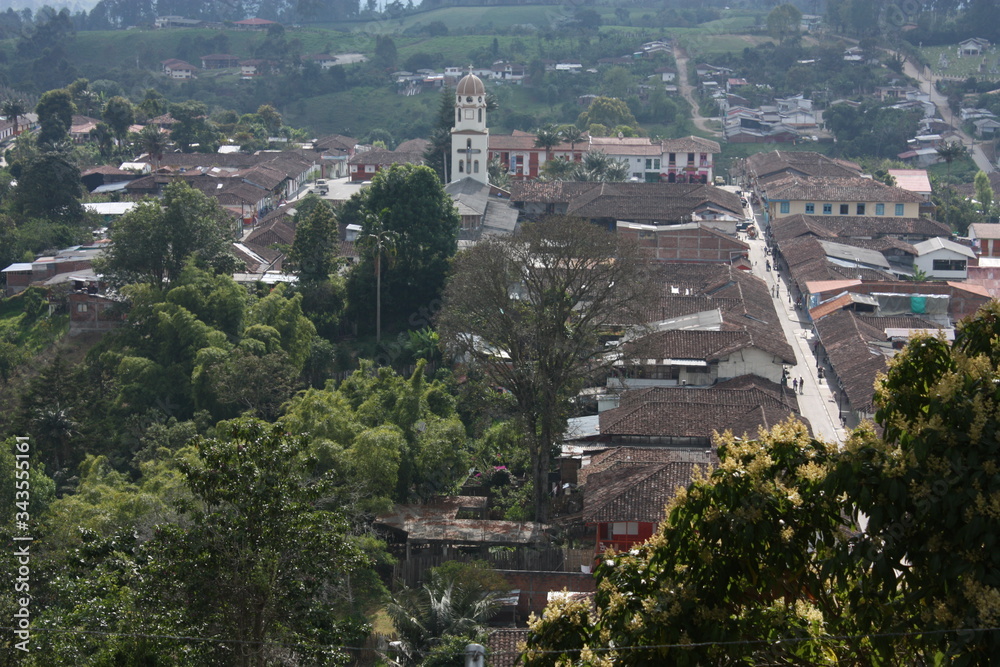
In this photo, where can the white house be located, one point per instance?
(667, 74)
(942, 259)
(986, 127)
(178, 69)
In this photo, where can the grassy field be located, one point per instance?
(961, 67)
(962, 170)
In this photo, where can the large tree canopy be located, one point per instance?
(530, 310)
(152, 242)
(793, 552)
(409, 202)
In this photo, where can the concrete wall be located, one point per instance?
(910, 209)
(750, 361)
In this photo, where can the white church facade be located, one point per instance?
(470, 137)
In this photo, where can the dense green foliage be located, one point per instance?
(792, 552)
(152, 243)
(410, 202)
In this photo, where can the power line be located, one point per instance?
(598, 649)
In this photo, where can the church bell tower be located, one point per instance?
(469, 137)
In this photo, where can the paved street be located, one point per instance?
(817, 400)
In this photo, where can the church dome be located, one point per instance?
(471, 85)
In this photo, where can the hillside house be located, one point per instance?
(178, 69)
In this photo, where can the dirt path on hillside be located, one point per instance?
(926, 80)
(687, 92)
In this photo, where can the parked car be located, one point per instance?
(321, 187)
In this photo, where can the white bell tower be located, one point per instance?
(469, 138)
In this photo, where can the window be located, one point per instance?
(625, 528)
(470, 114)
(461, 167)
(458, 115)
(649, 163)
(784, 207)
(672, 158)
(861, 209)
(899, 209)
(810, 208)
(468, 143)
(879, 209)
(370, 168)
(82, 307)
(636, 174)
(656, 163)
(949, 265)
(647, 235)
(845, 209)
(480, 115)
(475, 166)
(827, 209)
(690, 158)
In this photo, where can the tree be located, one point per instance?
(529, 310)
(192, 128)
(572, 135)
(740, 565)
(55, 115)
(783, 23)
(442, 608)
(49, 187)
(498, 173)
(984, 192)
(119, 114)
(385, 52)
(951, 151)
(437, 156)
(617, 82)
(608, 111)
(598, 166)
(547, 138)
(270, 117)
(152, 141)
(152, 242)
(382, 242)
(13, 109)
(926, 486)
(314, 251)
(257, 560)
(410, 202)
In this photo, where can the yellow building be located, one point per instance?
(839, 196)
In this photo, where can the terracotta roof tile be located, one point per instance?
(797, 188)
(635, 493)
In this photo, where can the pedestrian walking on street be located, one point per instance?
(795, 384)
(802, 386)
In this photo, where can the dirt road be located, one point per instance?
(687, 92)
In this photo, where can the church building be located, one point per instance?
(469, 137)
